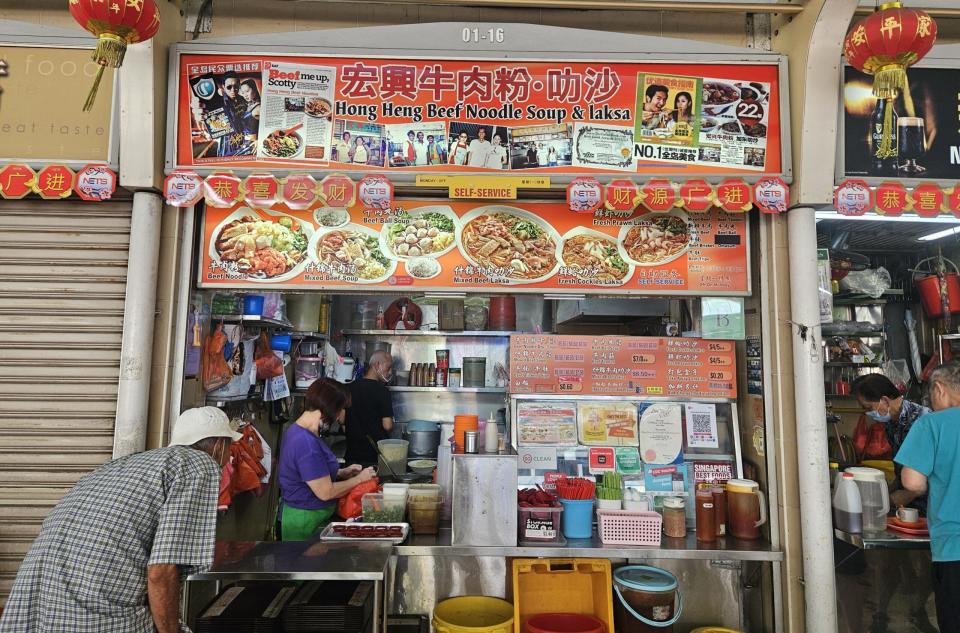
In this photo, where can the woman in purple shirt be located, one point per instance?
(310, 477)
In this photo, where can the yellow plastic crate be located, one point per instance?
(562, 585)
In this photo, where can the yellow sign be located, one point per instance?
(446, 180)
(41, 116)
(484, 191)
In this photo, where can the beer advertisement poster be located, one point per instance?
(921, 138)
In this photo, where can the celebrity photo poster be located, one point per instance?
(927, 145)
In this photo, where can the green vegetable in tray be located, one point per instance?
(386, 515)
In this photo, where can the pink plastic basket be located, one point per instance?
(628, 527)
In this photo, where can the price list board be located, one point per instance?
(622, 366)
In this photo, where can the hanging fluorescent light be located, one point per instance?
(939, 234)
(833, 215)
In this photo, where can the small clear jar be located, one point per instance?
(674, 517)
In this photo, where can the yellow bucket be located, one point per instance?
(714, 629)
(473, 614)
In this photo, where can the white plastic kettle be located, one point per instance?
(847, 507)
(874, 497)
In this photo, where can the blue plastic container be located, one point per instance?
(281, 342)
(577, 518)
(252, 305)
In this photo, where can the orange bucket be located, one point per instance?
(929, 288)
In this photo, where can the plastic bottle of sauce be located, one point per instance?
(720, 508)
(706, 517)
(490, 436)
(674, 517)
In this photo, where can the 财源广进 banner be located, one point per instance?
(247, 112)
(424, 245)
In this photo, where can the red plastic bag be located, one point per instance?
(349, 506)
(860, 436)
(878, 446)
(269, 364)
(214, 370)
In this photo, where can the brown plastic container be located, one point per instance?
(424, 514)
(746, 509)
(720, 508)
(503, 314)
(646, 599)
(706, 516)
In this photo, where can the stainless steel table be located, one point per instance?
(888, 539)
(725, 548)
(305, 560)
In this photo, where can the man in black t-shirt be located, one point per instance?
(371, 413)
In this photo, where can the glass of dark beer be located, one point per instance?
(912, 144)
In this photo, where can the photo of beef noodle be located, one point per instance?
(519, 244)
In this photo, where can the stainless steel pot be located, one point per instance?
(423, 443)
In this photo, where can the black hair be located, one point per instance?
(653, 89)
(872, 387)
(328, 397)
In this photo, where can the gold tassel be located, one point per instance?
(908, 99)
(886, 143)
(889, 81)
(109, 52)
(92, 95)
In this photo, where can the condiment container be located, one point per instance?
(380, 509)
(490, 436)
(706, 516)
(720, 508)
(443, 359)
(432, 375)
(874, 497)
(674, 517)
(453, 377)
(470, 442)
(425, 514)
(746, 509)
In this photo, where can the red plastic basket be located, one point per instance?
(628, 527)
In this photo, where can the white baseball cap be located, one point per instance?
(200, 423)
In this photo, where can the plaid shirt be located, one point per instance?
(87, 571)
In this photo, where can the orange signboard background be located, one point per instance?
(444, 245)
(525, 103)
(622, 366)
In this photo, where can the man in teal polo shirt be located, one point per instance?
(930, 456)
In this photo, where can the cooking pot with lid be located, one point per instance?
(424, 437)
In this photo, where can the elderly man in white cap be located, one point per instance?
(112, 553)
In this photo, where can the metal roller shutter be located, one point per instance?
(63, 270)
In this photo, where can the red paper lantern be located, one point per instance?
(115, 23)
(886, 42)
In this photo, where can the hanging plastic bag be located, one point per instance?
(878, 446)
(268, 365)
(860, 436)
(214, 369)
(350, 505)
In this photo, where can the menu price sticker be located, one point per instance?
(624, 366)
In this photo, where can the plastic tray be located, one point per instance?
(329, 535)
(629, 527)
(562, 585)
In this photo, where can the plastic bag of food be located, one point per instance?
(268, 364)
(349, 506)
(872, 282)
(898, 373)
(214, 370)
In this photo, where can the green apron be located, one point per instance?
(300, 525)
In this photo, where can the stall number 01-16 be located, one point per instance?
(469, 35)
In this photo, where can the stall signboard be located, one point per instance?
(622, 366)
(426, 245)
(926, 140)
(247, 111)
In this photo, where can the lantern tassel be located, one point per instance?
(886, 144)
(109, 52)
(889, 81)
(92, 95)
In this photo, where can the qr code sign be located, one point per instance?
(700, 423)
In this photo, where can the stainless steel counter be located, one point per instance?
(681, 549)
(883, 540)
(306, 560)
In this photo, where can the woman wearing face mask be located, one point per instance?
(370, 416)
(882, 402)
(310, 476)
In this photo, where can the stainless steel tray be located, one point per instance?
(329, 535)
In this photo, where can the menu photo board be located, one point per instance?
(429, 245)
(492, 116)
(626, 366)
(925, 138)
